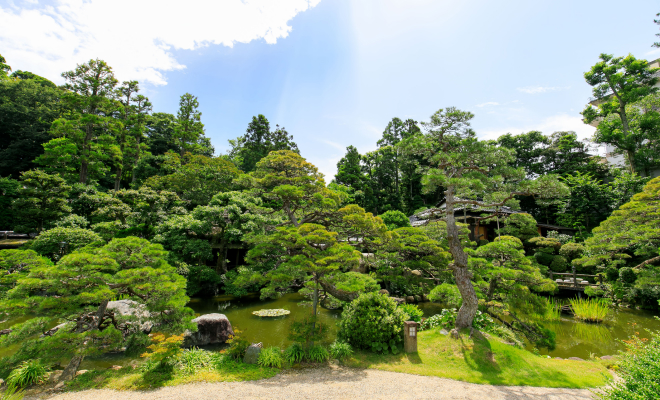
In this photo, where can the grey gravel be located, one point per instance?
(336, 383)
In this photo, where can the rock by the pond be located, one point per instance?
(418, 298)
(5, 332)
(410, 299)
(252, 354)
(2, 382)
(130, 308)
(575, 358)
(82, 371)
(607, 358)
(416, 272)
(558, 358)
(116, 367)
(398, 300)
(444, 332)
(384, 291)
(55, 376)
(211, 329)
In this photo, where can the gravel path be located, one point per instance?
(336, 383)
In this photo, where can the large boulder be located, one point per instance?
(211, 329)
(252, 353)
(136, 315)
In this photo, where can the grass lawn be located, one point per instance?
(481, 359)
(137, 379)
(484, 360)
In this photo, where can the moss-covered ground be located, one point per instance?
(485, 359)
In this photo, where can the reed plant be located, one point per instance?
(28, 373)
(553, 310)
(590, 310)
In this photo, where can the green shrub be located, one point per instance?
(372, 321)
(294, 353)
(544, 258)
(28, 373)
(593, 292)
(413, 312)
(521, 225)
(627, 275)
(518, 242)
(271, 357)
(447, 294)
(639, 370)
(572, 250)
(394, 219)
(612, 274)
(137, 343)
(340, 350)
(193, 360)
(559, 264)
(447, 320)
(237, 345)
(48, 242)
(73, 221)
(318, 353)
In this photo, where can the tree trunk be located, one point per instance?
(118, 178)
(84, 162)
(339, 294)
(460, 268)
(71, 368)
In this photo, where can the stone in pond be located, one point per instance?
(575, 358)
(252, 354)
(398, 300)
(211, 329)
(410, 299)
(133, 309)
(607, 358)
(384, 291)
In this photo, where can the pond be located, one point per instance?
(574, 339)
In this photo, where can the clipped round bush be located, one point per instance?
(559, 264)
(612, 274)
(394, 219)
(627, 275)
(507, 238)
(544, 258)
(48, 242)
(447, 294)
(521, 225)
(572, 250)
(372, 321)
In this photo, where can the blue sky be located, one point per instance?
(334, 72)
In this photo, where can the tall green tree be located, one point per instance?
(471, 172)
(42, 199)
(294, 186)
(85, 140)
(189, 129)
(309, 252)
(78, 290)
(5, 69)
(28, 109)
(618, 82)
(258, 142)
(134, 114)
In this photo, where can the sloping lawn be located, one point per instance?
(484, 360)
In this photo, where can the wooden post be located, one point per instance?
(575, 285)
(600, 278)
(410, 337)
(552, 276)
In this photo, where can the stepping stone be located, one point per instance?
(607, 358)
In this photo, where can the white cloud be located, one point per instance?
(488, 103)
(541, 89)
(555, 123)
(136, 38)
